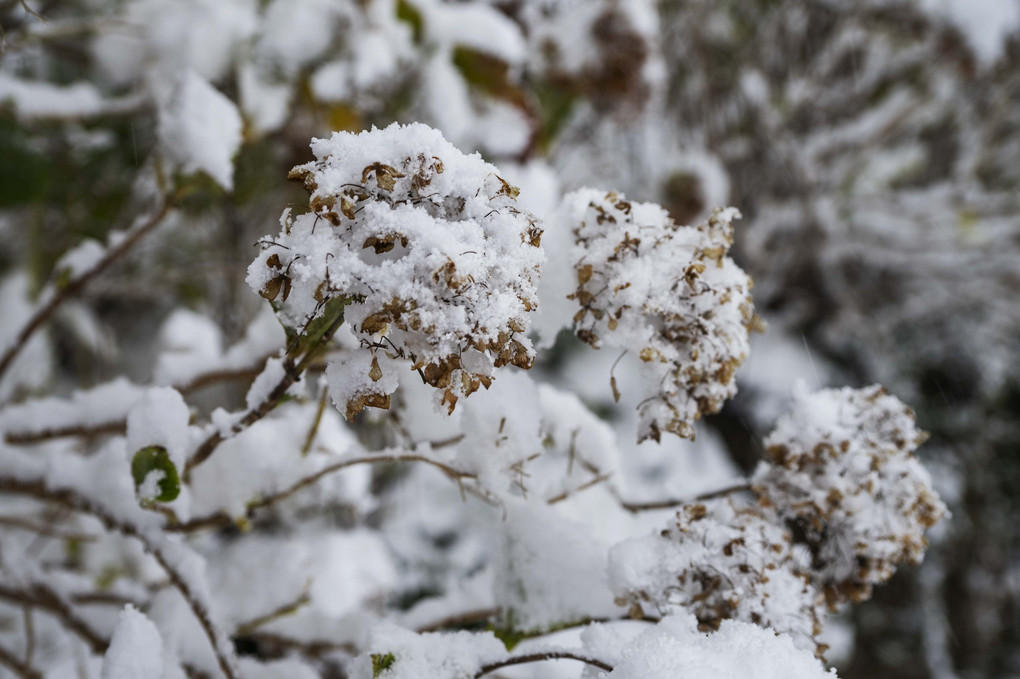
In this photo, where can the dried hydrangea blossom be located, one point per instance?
(842, 474)
(720, 562)
(438, 264)
(668, 292)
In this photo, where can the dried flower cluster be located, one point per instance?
(689, 326)
(843, 476)
(437, 263)
(721, 562)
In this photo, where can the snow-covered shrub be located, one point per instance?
(179, 498)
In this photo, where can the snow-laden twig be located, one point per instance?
(54, 299)
(635, 507)
(292, 372)
(42, 596)
(72, 499)
(218, 520)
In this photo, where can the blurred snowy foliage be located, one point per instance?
(445, 423)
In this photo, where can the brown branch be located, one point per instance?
(24, 3)
(272, 645)
(635, 507)
(20, 668)
(39, 595)
(26, 613)
(291, 374)
(74, 287)
(460, 620)
(73, 500)
(247, 628)
(584, 486)
(218, 520)
(103, 599)
(539, 657)
(314, 429)
(46, 531)
(30, 437)
(120, 426)
(212, 377)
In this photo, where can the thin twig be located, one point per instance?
(47, 531)
(74, 287)
(87, 431)
(24, 3)
(29, 634)
(539, 657)
(291, 374)
(73, 500)
(460, 620)
(275, 644)
(30, 437)
(40, 595)
(218, 520)
(584, 486)
(216, 376)
(247, 628)
(23, 670)
(314, 429)
(635, 507)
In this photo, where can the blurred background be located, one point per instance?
(873, 148)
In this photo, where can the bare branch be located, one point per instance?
(460, 620)
(291, 374)
(20, 668)
(635, 507)
(574, 491)
(87, 431)
(73, 500)
(218, 520)
(24, 3)
(201, 381)
(40, 595)
(247, 628)
(314, 429)
(46, 531)
(74, 287)
(217, 376)
(539, 657)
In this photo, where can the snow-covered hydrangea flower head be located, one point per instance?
(720, 562)
(843, 475)
(668, 292)
(436, 262)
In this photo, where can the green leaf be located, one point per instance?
(381, 662)
(156, 459)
